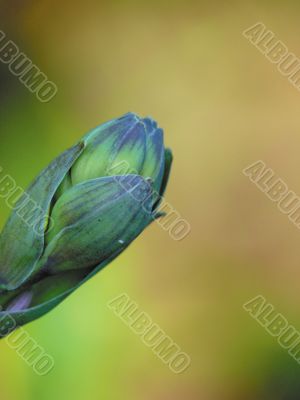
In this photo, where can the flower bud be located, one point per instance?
(92, 201)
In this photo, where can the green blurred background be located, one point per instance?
(222, 106)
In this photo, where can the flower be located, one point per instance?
(93, 201)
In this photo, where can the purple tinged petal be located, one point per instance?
(103, 145)
(22, 302)
(130, 149)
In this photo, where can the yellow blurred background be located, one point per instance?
(222, 105)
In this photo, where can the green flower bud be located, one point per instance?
(129, 140)
(88, 213)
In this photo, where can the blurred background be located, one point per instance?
(222, 105)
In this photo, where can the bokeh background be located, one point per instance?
(222, 106)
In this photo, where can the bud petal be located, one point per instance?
(122, 138)
(167, 170)
(95, 219)
(64, 186)
(38, 299)
(20, 303)
(154, 160)
(21, 242)
(130, 148)
(165, 178)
